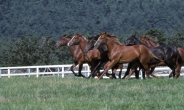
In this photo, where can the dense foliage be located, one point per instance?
(57, 17)
(29, 28)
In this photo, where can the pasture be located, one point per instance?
(54, 93)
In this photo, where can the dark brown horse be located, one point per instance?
(103, 55)
(119, 54)
(168, 54)
(77, 54)
(151, 43)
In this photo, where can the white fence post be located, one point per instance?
(58, 71)
(62, 69)
(8, 73)
(37, 71)
(0, 73)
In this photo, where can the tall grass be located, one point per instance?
(53, 93)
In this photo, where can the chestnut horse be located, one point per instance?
(77, 54)
(92, 57)
(148, 42)
(168, 54)
(103, 55)
(119, 54)
(151, 43)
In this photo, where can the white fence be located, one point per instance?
(63, 71)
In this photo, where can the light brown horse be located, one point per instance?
(77, 54)
(151, 43)
(119, 54)
(91, 56)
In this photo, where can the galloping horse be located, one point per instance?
(92, 57)
(103, 55)
(151, 43)
(89, 58)
(77, 54)
(119, 54)
(168, 54)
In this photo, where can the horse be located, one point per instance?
(103, 55)
(119, 54)
(168, 54)
(92, 57)
(76, 53)
(150, 42)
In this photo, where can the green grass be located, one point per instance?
(53, 93)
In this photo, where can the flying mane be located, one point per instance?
(114, 38)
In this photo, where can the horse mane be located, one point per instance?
(147, 38)
(82, 36)
(94, 37)
(65, 36)
(114, 38)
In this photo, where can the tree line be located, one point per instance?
(36, 50)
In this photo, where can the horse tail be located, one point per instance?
(179, 59)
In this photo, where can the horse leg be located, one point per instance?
(127, 71)
(120, 72)
(130, 73)
(107, 66)
(177, 70)
(72, 67)
(143, 73)
(94, 69)
(80, 69)
(136, 74)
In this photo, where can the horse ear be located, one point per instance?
(135, 33)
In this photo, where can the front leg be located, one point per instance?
(72, 67)
(108, 66)
(80, 69)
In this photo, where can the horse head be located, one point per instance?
(133, 40)
(101, 40)
(148, 41)
(90, 43)
(75, 40)
(62, 41)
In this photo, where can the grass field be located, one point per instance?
(53, 93)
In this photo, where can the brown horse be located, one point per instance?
(148, 42)
(151, 43)
(77, 54)
(103, 58)
(93, 56)
(119, 54)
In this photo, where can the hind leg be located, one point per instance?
(127, 71)
(148, 73)
(177, 71)
(130, 73)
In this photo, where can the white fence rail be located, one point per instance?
(63, 71)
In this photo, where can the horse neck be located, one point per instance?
(111, 45)
(83, 43)
(148, 44)
(75, 49)
(153, 44)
